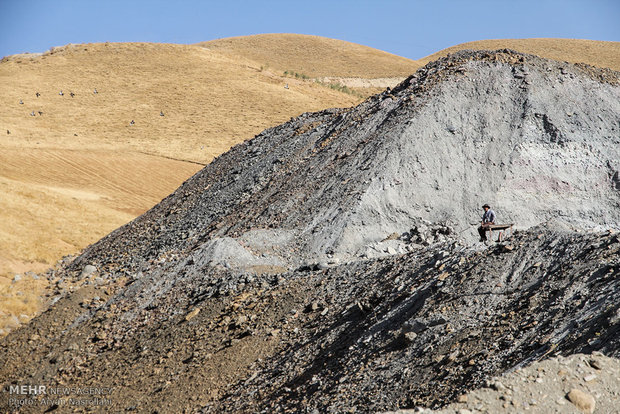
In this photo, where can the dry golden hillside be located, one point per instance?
(73, 167)
(593, 52)
(209, 101)
(56, 201)
(314, 56)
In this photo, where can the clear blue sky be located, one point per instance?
(411, 28)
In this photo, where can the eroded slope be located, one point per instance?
(536, 139)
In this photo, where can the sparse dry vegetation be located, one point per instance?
(314, 56)
(20, 299)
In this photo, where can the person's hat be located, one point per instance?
(486, 205)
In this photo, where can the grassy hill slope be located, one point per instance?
(314, 56)
(209, 101)
(593, 52)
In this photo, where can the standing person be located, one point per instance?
(488, 219)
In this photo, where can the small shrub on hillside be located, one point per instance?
(296, 74)
(340, 88)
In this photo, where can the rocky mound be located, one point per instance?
(420, 329)
(327, 265)
(536, 139)
(408, 330)
(602, 54)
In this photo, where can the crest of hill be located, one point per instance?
(598, 53)
(315, 56)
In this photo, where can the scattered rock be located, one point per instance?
(192, 314)
(87, 271)
(498, 386)
(101, 335)
(589, 378)
(582, 400)
(393, 236)
(313, 307)
(410, 336)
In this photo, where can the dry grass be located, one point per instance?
(55, 202)
(20, 301)
(593, 52)
(210, 101)
(314, 56)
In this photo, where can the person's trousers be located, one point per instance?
(482, 230)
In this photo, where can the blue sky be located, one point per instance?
(412, 29)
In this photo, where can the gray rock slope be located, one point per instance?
(537, 139)
(259, 286)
